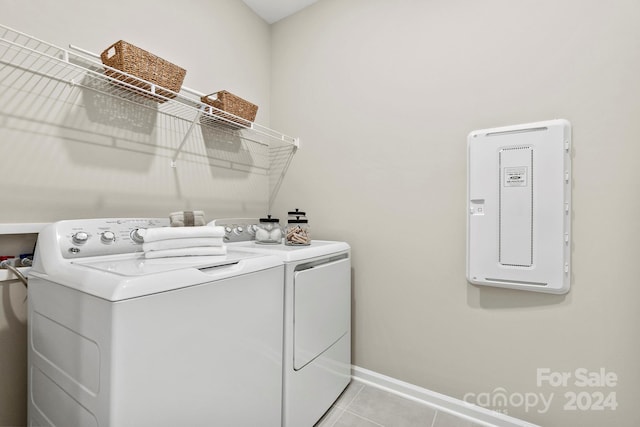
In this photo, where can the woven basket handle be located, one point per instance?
(214, 93)
(105, 54)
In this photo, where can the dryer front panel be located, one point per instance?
(322, 308)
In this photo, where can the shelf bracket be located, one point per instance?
(184, 138)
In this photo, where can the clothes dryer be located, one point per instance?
(317, 320)
(119, 340)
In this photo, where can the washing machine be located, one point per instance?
(317, 319)
(118, 340)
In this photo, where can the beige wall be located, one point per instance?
(383, 95)
(58, 163)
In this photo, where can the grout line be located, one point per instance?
(355, 396)
(364, 418)
(435, 416)
(341, 411)
(346, 405)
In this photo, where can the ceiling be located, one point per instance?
(274, 10)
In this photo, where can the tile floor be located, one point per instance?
(361, 405)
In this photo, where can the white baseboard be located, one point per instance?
(438, 401)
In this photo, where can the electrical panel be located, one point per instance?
(519, 207)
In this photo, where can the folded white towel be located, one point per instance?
(197, 222)
(163, 233)
(194, 242)
(200, 251)
(187, 218)
(181, 213)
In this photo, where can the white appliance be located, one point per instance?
(317, 320)
(119, 340)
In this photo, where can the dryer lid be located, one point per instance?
(293, 254)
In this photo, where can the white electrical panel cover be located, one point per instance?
(519, 207)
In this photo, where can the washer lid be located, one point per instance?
(140, 266)
(121, 277)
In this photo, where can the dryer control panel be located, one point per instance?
(95, 237)
(238, 229)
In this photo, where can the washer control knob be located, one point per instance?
(108, 237)
(252, 229)
(227, 229)
(80, 237)
(136, 237)
(238, 230)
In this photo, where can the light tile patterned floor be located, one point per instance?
(365, 406)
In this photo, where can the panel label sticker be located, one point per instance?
(515, 177)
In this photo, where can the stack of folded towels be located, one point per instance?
(183, 241)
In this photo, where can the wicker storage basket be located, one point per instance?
(144, 65)
(233, 104)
